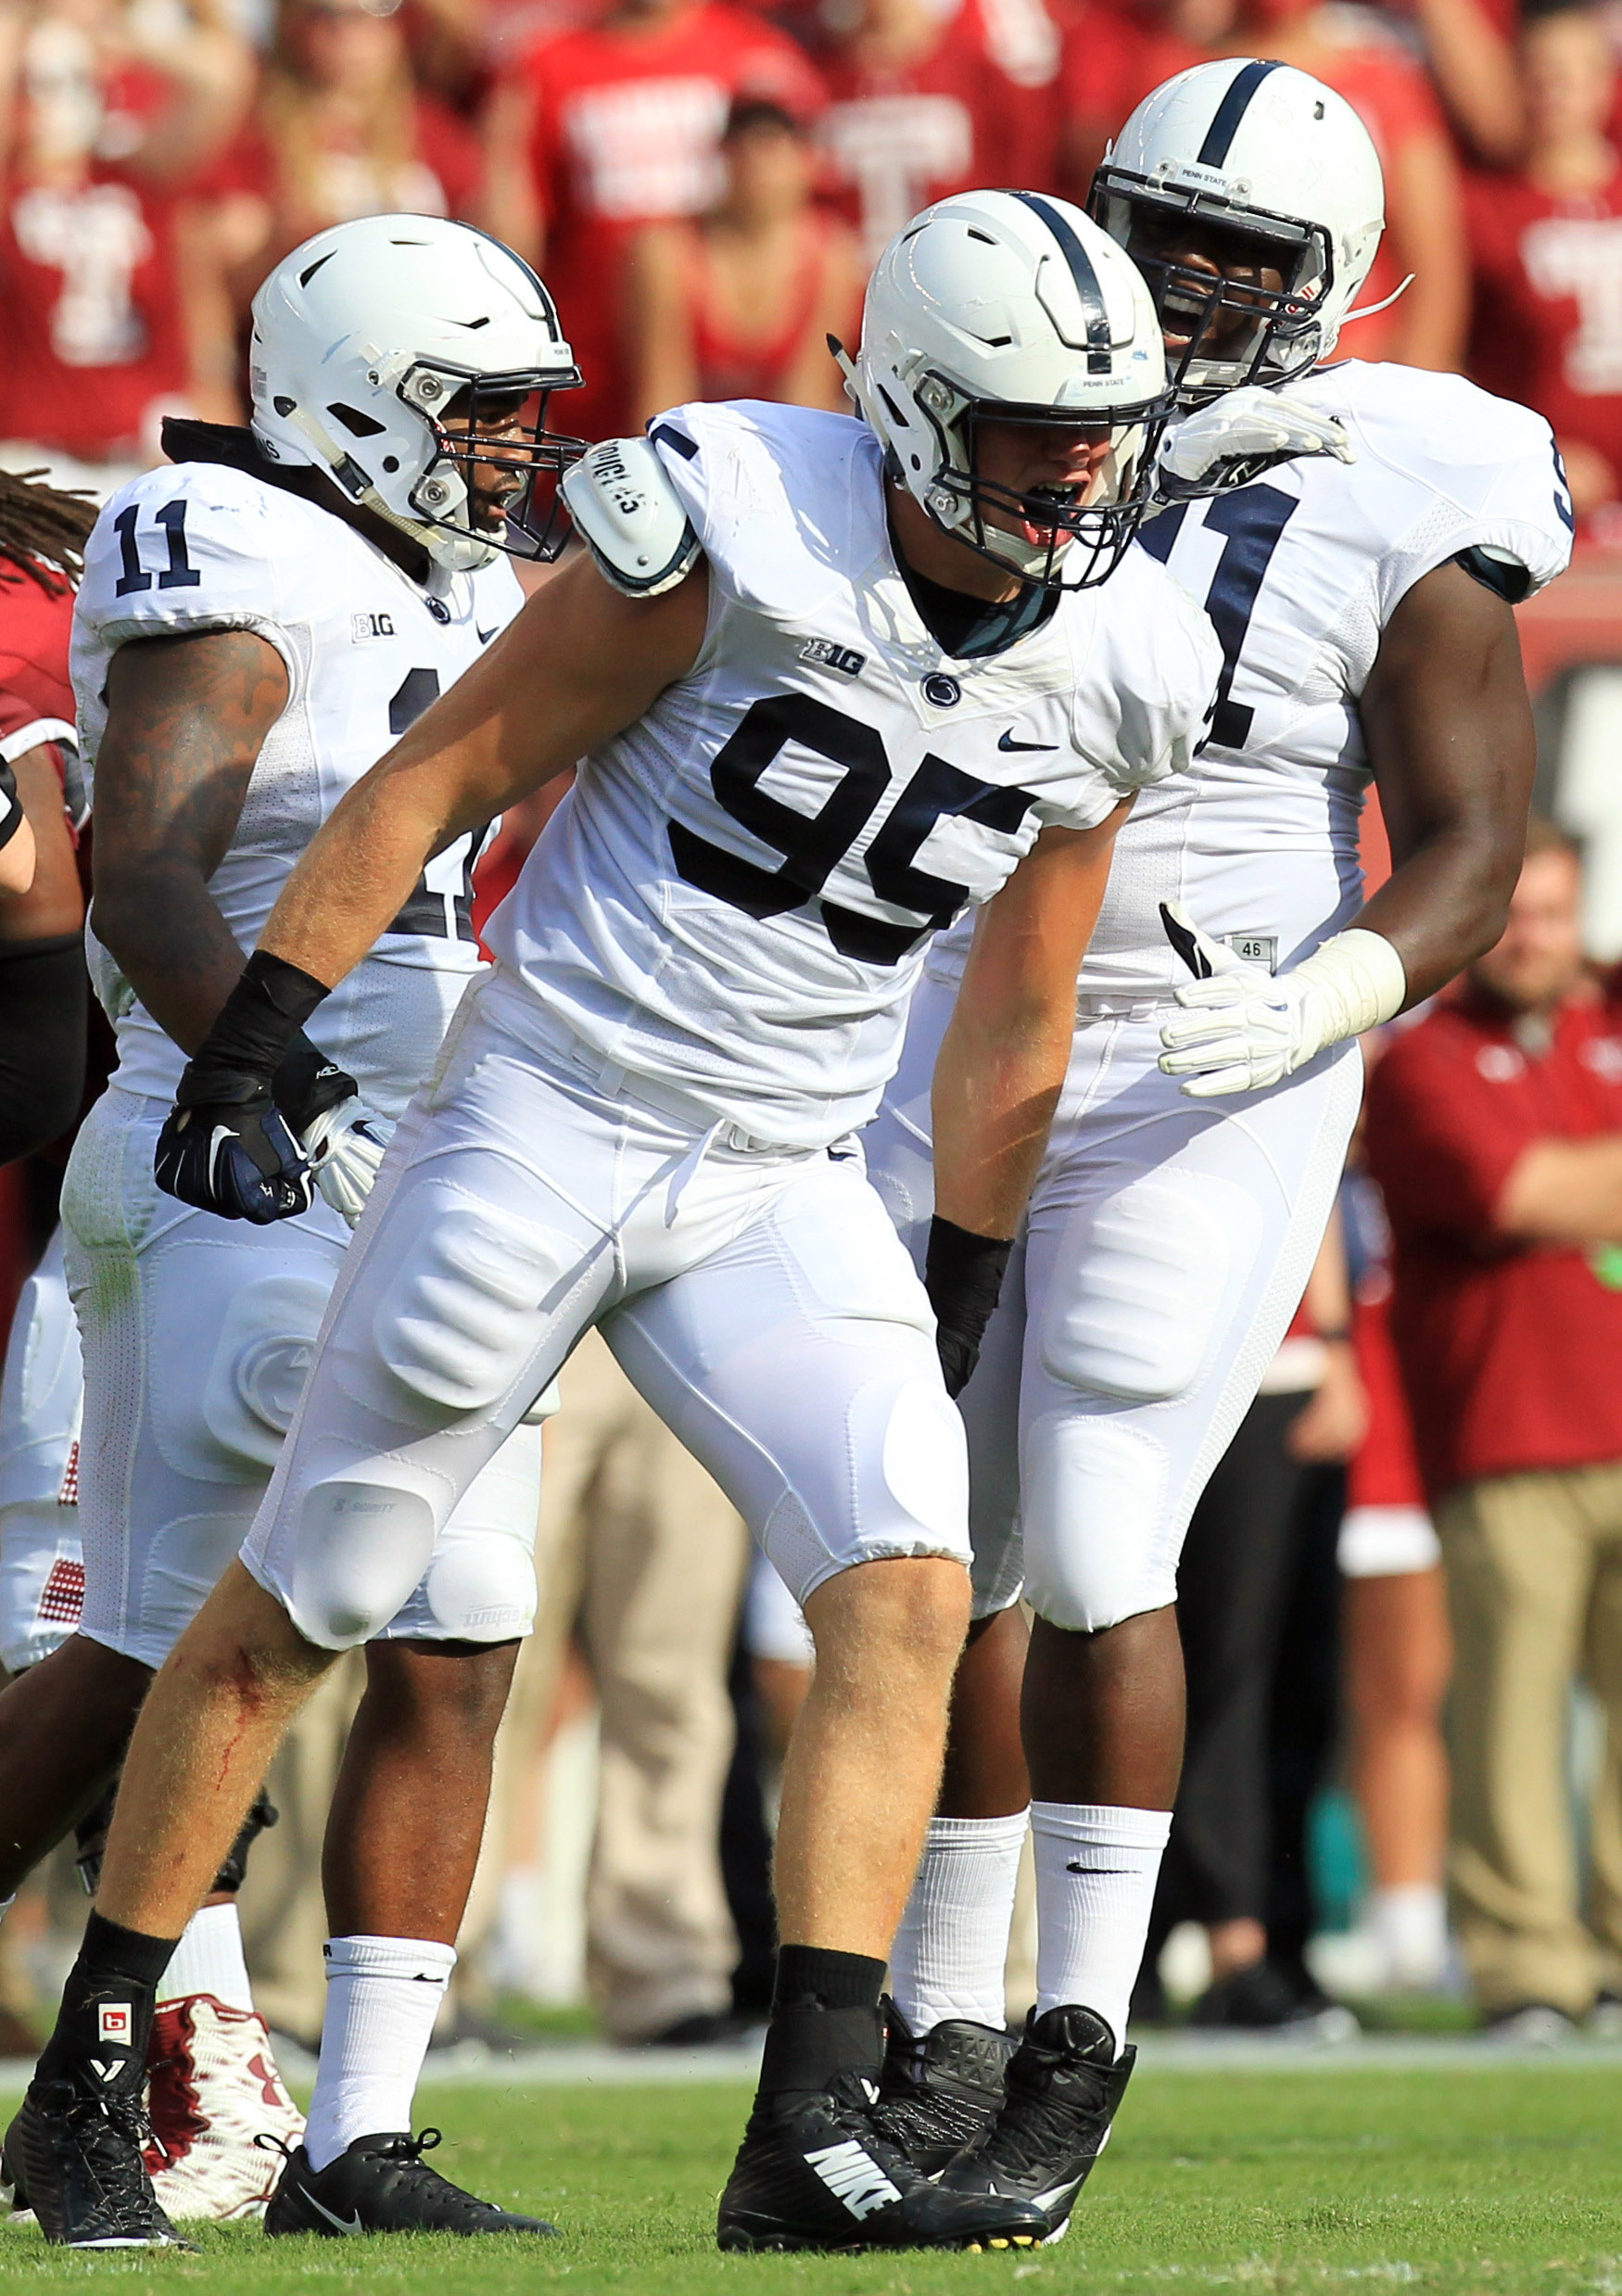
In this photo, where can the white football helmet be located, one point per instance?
(369, 333)
(1012, 307)
(1265, 167)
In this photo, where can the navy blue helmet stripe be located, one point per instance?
(1095, 317)
(1229, 111)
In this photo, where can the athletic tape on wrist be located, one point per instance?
(1354, 982)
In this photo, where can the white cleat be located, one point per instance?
(215, 2092)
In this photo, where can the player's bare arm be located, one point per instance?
(1003, 1056)
(576, 667)
(187, 717)
(1448, 729)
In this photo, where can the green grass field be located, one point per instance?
(1500, 2179)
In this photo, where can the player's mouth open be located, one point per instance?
(1064, 496)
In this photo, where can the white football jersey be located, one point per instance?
(204, 546)
(1300, 572)
(737, 895)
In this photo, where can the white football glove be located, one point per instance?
(344, 1148)
(1241, 1029)
(1244, 432)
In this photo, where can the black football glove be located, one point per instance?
(963, 1274)
(227, 1149)
(229, 1146)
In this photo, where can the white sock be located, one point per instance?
(1410, 1926)
(950, 1950)
(208, 1960)
(383, 1995)
(1095, 1874)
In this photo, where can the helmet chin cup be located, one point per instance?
(1012, 308)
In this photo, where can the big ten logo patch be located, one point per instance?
(365, 626)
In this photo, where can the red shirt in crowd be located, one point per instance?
(34, 687)
(1547, 325)
(626, 131)
(441, 176)
(983, 109)
(1509, 1349)
(96, 345)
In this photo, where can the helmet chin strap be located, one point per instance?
(428, 537)
(1369, 310)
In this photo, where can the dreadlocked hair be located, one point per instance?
(43, 530)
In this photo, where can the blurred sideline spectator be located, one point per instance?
(339, 130)
(610, 127)
(782, 1654)
(1495, 1131)
(1233, 1587)
(640, 1557)
(1395, 1644)
(108, 114)
(1547, 247)
(1357, 54)
(739, 303)
(925, 101)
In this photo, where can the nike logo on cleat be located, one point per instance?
(339, 2224)
(1006, 741)
(853, 2176)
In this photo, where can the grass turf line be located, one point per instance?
(1487, 2184)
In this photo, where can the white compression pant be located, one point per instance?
(41, 1571)
(757, 1298)
(198, 1333)
(1165, 1251)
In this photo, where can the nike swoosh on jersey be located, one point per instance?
(1006, 741)
(339, 2224)
(486, 635)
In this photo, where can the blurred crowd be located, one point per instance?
(1389, 1610)
(703, 181)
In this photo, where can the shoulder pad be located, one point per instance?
(630, 517)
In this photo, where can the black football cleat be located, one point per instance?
(383, 2184)
(822, 2177)
(75, 2160)
(937, 2094)
(1064, 2083)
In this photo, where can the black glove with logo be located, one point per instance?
(963, 1274)
(254, 1081)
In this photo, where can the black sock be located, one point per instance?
(104, 2022)
(825, 2021)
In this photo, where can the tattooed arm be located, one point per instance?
(186, 718)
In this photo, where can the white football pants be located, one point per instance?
(1166, 1249)
(757, 1297)
(198, 1333)
(41, 1571)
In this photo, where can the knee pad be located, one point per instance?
(253, 1383)
(1094, 1505)
(359, 1545)
(463, 1312)
(481, 1589)
(1137, 1302)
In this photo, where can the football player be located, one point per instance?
(257, 620)
(1362, 596)
(833, 681)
